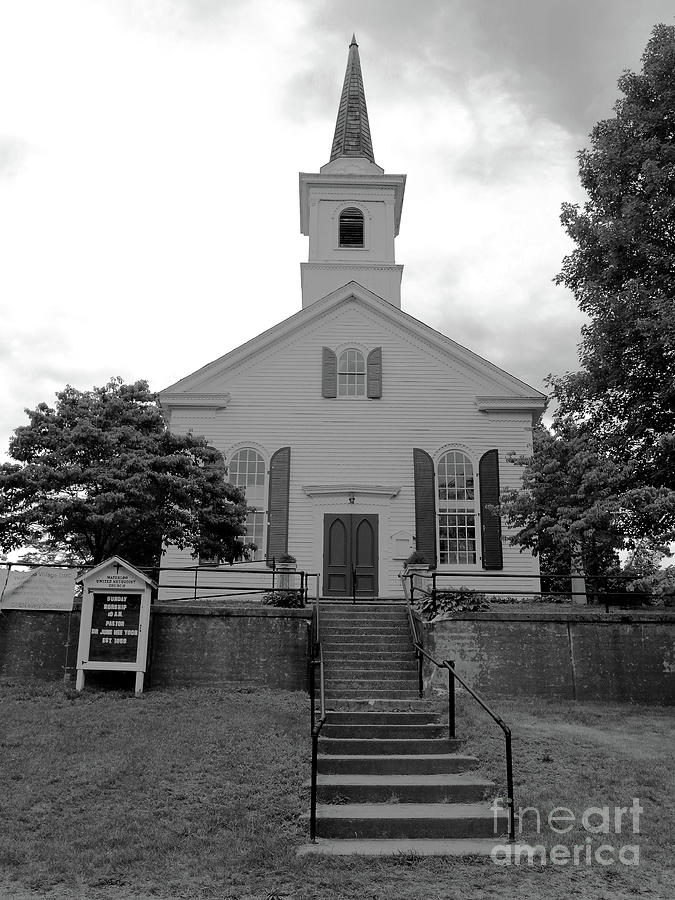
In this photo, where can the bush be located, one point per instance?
(285, 599)
(416, 558)
(463, 599)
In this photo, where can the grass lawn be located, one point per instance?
(198, 793)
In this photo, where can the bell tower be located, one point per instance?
(351, 210)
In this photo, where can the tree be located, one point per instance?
(603, 478)
(622, 274)
(100, 474)
(576, 504)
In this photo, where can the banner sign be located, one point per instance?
(41, 588)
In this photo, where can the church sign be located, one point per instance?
(115, 622)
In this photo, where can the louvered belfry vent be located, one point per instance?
(351, 228)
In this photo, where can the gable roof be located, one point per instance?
(121, 563)
(514, 393)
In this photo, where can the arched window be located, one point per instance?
(246, 470)
(351, 228)
(456, 510)
(351, 373)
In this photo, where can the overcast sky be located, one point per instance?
(149, 159)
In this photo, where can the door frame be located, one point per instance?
(352, 575)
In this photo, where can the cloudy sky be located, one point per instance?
(149, 157)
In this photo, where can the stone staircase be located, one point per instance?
(389, 779)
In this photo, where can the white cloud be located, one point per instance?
(149, 217)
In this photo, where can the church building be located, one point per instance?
(358, 432)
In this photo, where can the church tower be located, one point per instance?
(351, 210)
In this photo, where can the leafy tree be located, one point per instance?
(604, 477)
(100, 474)
(622, 274)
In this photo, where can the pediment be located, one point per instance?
(509, 392)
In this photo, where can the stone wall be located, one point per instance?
(37, 643)
(584, 655)
(616, 657)
(247, 646)
(190, 644)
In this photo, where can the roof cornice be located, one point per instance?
(173, 399)
(511, 404)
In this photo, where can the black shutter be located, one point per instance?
(374, 370)
(328, 373)
(425, 505)
(277, 507)
(491, 524)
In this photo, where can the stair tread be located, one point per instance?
(371, 757)
(400, 847)
(407, 811)
(441, 779)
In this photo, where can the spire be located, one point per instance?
(352, 132)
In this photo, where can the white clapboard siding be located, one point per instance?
(428, 401)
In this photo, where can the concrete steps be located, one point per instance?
(389, 746)
(409, 820)
(346, 692)
(442, 787)
(379, 730)
(401, 848)
(394, 764)
(390, 780)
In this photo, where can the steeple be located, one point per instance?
(350, 209)
(352, 131)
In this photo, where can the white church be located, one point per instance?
(358, 432)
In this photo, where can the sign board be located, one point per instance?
(40, 588)
(115, 621)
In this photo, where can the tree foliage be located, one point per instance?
(579, 503)
(604, 477)
(100, 474)
(622, 272)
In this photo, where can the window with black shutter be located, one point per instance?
(351, 228)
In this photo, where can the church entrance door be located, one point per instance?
(350, 555)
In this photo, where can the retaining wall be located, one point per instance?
(616, 657)
(189, 645)
(584, 655)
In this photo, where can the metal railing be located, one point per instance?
(453, 676)
(316, 661)
(598, 590)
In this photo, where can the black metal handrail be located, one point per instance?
(316, 660)
(452, 677)
(602, 596)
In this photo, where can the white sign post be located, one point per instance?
(115, 621)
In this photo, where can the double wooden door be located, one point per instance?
(350, 555)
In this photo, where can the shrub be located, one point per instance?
(416, 558)
(462, 599)
(286, 558)
(285, 599)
